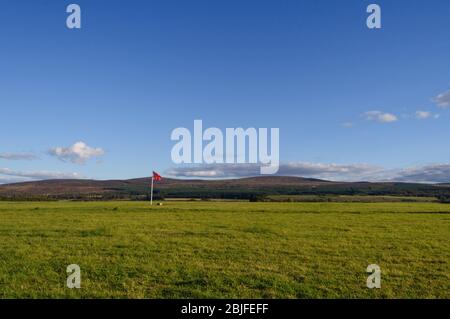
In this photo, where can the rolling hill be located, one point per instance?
(243, 188)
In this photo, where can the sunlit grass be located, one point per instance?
(218, 250)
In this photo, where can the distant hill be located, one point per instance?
(242, 188)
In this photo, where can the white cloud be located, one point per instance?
(78, 153)
(39, 174)
(18, 156)
(215, 170)
(10, 180)
(443, 99)
(435, 173)
(380, 117)
(13, 176)
(347, 124)
(423, 115)
(339, 172)
(330, 171)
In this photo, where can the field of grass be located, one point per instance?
(224, 249)
(351, 198)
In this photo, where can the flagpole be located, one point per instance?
(151, 194)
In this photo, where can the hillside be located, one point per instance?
(243, 188)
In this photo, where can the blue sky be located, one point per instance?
(139, 69)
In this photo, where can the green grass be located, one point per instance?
(224, 250)
(351, 198)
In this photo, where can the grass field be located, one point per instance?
(218, 250)
(351, 198)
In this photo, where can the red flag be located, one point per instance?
(156, 176)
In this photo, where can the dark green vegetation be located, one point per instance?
(217, 249)
(255, 189)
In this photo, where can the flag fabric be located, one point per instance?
(156, 176)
